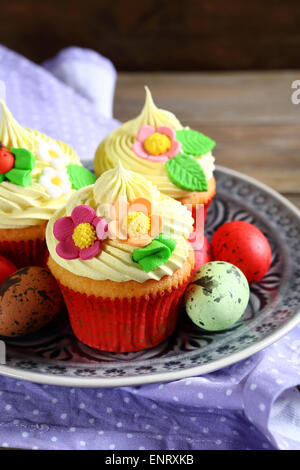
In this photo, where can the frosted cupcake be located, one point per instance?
(37, 176)
(177, 159)
(120, 254)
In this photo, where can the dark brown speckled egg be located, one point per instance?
(29, 299)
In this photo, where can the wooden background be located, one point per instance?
(159, 35)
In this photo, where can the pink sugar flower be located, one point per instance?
(156, 145)
(80, 235)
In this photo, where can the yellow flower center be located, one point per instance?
(53, 154)
(157, 144)
(84, 235)
(137, 224)
(56, 180)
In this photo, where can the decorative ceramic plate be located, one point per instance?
(55, 356)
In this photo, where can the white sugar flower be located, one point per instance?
(50, 152)
(55, 181)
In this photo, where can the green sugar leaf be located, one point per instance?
(24, 160)
(168, 241)
(155, 254)
(186, 173)
(19, 177)
(80, 176)
(194, 143)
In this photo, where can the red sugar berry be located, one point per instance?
(7, 160)
(245, 246)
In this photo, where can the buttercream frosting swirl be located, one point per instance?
(118, 146)
(115, 260)
(22, 207)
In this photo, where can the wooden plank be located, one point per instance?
(269, 153)
(156, 35)
(250, 98)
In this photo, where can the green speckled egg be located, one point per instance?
(218, 296)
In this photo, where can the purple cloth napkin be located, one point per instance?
(253, 404)
(89, 74)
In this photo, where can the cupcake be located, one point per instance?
(120, 254)
(37, 176)
(176, 159)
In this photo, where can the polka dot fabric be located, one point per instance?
(250, 405)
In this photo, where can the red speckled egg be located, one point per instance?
(245, 246)
(6, 268)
